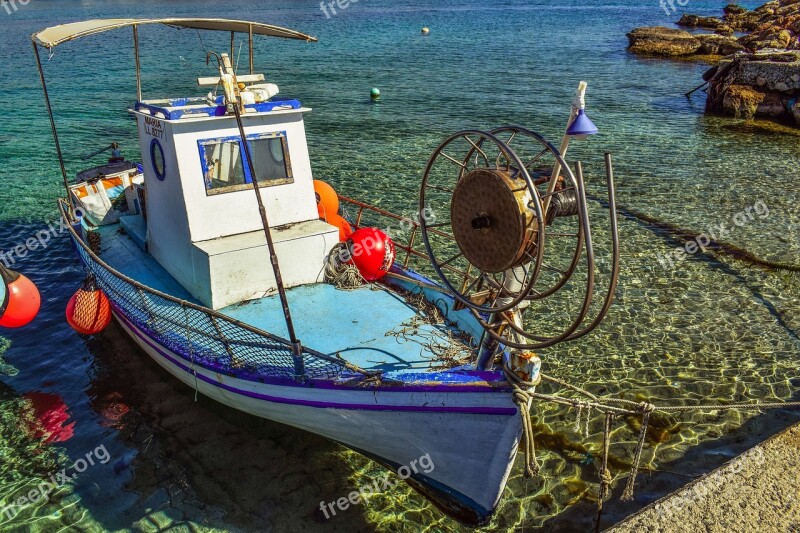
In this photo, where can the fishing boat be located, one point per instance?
(398, 336)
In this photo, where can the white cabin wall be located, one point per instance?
(167, 226)
(215, 216)
(183, 221)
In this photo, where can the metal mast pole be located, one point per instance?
(52, 121)
(228, 78)
(138, 64)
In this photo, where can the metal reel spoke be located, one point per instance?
(560, 226)
(496, 217)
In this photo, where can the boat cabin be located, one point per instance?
(200, 220)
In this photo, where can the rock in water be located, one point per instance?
(771, 37)
(733, 9)
(718, 44)
(742, 101)
(757, 85)
(662, 41)
(696, 21)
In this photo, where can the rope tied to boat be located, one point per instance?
(523, 397)
(605, 474)
(646, 409)
(524, 393)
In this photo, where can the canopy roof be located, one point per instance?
(52, 37)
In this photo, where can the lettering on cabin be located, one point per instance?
(154, 127)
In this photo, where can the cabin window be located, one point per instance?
(225, 166)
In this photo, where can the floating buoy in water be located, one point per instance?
(425, 30)
(327, 200)
(19, 299)
(372, 252)
(375, 94)
(89, 311)
(345, 229)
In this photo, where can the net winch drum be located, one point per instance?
(505, 193)
(495, 218)
(493, 224)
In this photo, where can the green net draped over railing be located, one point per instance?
(202, 337)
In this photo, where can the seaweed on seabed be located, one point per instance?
(5, 368)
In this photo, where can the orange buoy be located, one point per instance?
(19, 299)
(327, 200)
(372, 252)
(89, 311)
(345, 229)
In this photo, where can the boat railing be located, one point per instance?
(200, 336)
(411, 247)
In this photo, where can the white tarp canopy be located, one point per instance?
(52, 37)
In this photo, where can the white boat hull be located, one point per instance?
(471, 437)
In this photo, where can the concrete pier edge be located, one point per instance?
(758, 490)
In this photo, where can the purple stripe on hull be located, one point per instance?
(322, 405)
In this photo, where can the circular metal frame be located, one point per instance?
(504, 298)
(515, 131)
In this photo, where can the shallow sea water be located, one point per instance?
(708, 328)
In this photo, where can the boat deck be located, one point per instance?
(372, 327)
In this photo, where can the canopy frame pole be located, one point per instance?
(52, 122)
(233, 43)
(138, 63)
(250, 45)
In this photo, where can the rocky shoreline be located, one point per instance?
(757, 72)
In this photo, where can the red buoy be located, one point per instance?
(372, 252)
(89, 311)
(19, 299)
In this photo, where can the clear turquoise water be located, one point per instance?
(711, 327)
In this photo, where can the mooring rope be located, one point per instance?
(524, 392)
(523, 396)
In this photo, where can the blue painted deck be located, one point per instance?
(374, 329)
(362, 325)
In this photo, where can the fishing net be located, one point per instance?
(203, 337)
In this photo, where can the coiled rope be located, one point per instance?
(339, 272)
